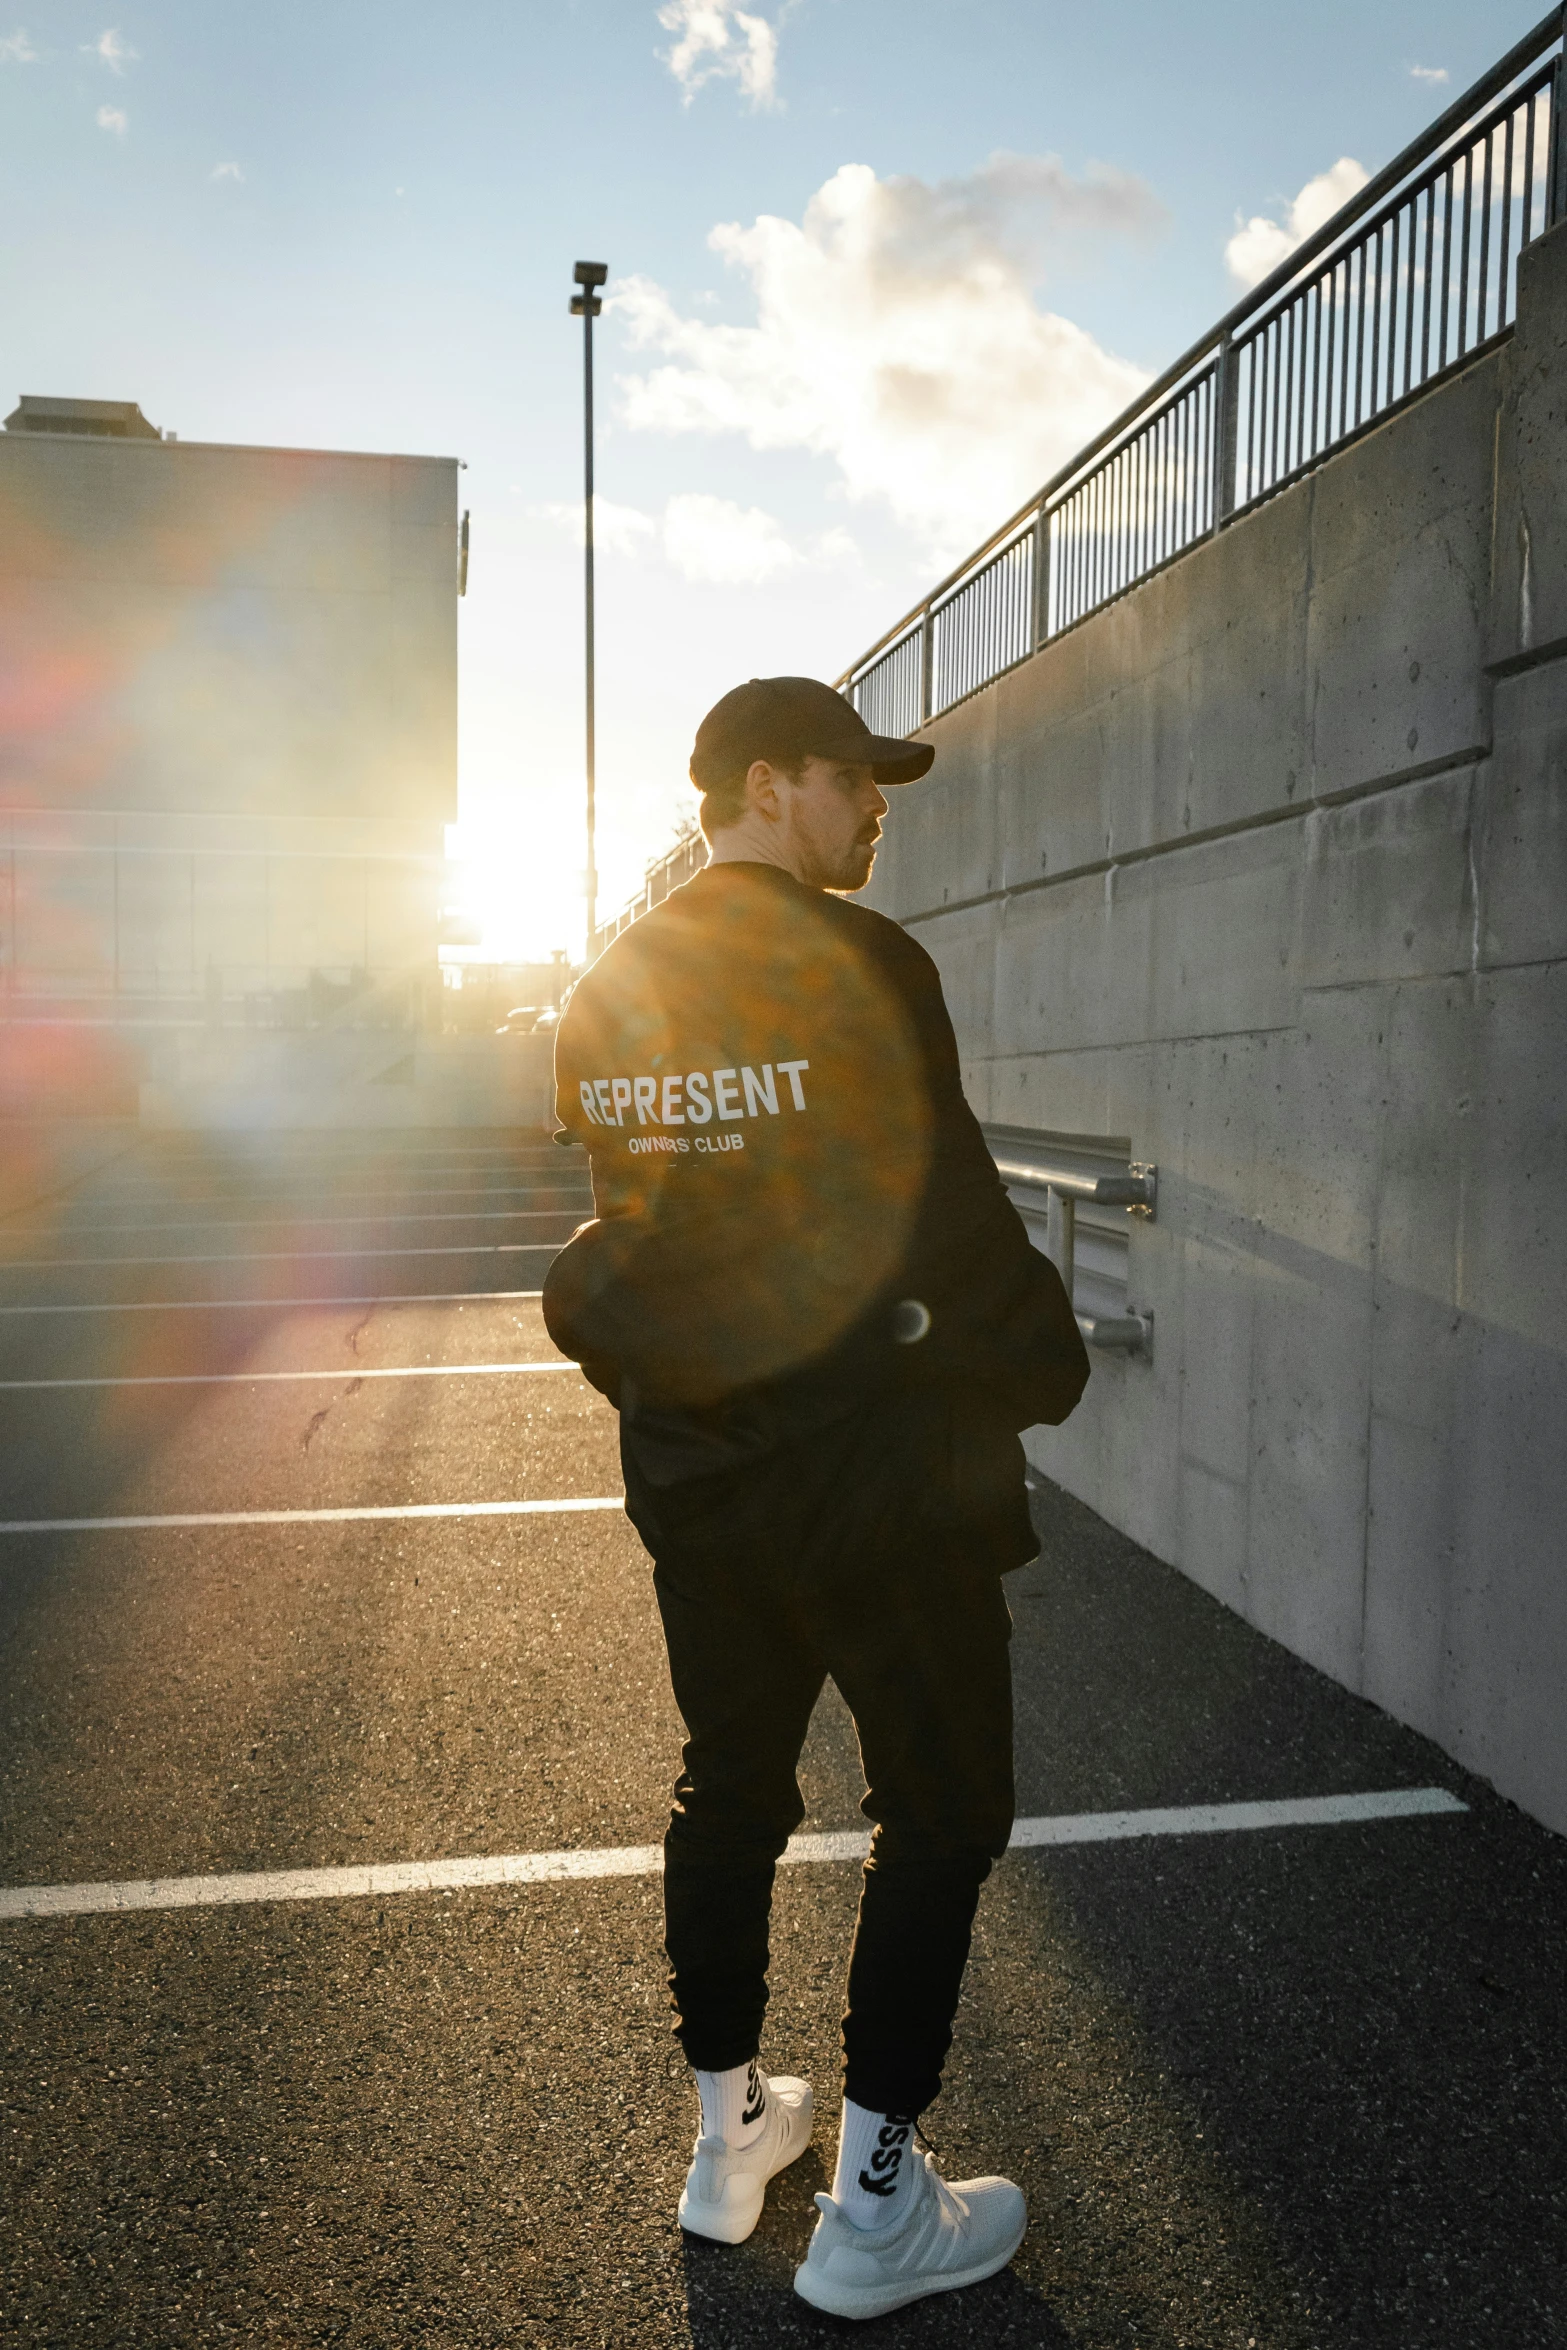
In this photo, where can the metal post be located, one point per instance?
(589, 275)
(927, 663)
(591, 881)
(1556, 176)
(1226, 421)
(1041, 618)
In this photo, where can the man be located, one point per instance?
(824, 1326)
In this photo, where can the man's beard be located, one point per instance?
(858, 865)
(850, 868)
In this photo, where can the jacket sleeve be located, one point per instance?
(575, 1275)
(606, 1305)
(1001, 1319)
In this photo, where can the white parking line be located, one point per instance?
(297, 1147)
(1212, 1819)
(250, 1378)
(646, 1860)
(183, 1305)
(295, 1256)
(366, 1166)
(411, 1509)
(484, 1183)
(291, 1212)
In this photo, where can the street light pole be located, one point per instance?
(589, 276)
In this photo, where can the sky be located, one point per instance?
(877, 268)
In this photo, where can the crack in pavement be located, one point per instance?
(316, 1418)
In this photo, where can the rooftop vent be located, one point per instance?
(113, 420)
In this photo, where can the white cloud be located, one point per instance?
(17, 49)
(897, 334)
(707, 539)
(617, 530)
(835, 548)
(1429, 73)
(718, 40)
(227, 171)
(114, 118)
(111, 49)
(715, 541)
(1259, 244)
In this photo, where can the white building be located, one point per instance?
(228, 726)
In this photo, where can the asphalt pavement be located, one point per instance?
(1291, 2087)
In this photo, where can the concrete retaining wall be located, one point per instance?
(1265, 868)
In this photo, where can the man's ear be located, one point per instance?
(761, 789)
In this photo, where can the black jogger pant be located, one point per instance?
(759, 1608)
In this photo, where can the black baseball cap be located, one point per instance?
(788, 718)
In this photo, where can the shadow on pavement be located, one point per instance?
(1339, 2049)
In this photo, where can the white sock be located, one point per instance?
(876, 2158)
(734, 2104)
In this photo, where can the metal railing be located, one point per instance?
(685, 856)
(1410, 280)
(1048, 1178)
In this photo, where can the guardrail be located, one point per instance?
(1409, 281)
(684, 857)
(1048, 1177)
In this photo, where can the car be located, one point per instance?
(530, 1020)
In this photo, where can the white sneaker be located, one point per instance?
(722, 2196)
(947, 2237)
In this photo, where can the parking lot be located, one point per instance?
(313, 1585)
